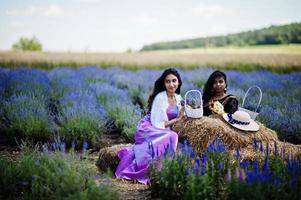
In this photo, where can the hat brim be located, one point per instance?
(253, 126)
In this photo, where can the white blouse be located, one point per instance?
(159, 108)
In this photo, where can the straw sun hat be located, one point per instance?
(241, 120)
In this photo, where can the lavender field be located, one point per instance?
(82, 104)
(70, 109)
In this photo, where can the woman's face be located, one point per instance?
(171, 83)
(219, 84)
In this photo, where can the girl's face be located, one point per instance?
(219, 84)
(171, 83)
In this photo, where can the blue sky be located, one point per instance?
(117, 25)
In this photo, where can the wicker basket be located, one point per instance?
(194, 112)
(253, 114)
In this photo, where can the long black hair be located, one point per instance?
(159, 86)
(207, 92)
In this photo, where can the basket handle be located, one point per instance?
(243, 101)
(185, 103)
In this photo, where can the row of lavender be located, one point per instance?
(81, 104)
(216, 174)
(49, 171)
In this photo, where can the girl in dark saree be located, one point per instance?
(215, 90)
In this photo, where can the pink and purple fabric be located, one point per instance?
(135, 161)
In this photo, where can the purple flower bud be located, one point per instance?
(242, 174)
(275, 148)
(63, 147)
(237, 153)
(198, 161)
(267, 151)
(254, 143)
(85, 146)
(24, 183)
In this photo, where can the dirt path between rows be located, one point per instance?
(126, 189)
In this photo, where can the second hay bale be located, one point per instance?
(108, 158)
(201, 132)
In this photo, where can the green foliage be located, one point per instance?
(285, 185)
(81, 128)
(50, 176)
(28, 44)
(285, 34)
(199, 83)
(139, 97)
(169, 182)
(217, 175)
(28, 118)
(123, 115)
(124, 118)
(185, 177)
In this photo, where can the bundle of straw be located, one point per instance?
(108, 158)
(202, 131)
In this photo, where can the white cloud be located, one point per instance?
(286, 21)
(208, 10)
(90, 1)
(12, 12)
(25, 34)
(217, 29)
(52, 10)
(17, 24)
(143, 20)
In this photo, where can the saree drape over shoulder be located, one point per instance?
(151, 139)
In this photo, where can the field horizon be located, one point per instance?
(277, 58)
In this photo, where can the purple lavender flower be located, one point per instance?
(198, 161)
(63, 147)
(255, 144)
(267, 151)
(242, 175)
(275, 149)
(85, 146)
(228, 175)
(152, 150)
(237, 153)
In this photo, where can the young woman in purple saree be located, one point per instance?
(154, 136)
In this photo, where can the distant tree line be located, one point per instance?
(284, 34)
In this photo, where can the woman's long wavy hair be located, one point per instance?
(207, 92)
(159, 86)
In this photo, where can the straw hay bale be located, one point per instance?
(201, 132)
(108, 158)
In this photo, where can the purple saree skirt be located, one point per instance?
(135, 161)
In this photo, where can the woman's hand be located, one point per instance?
(180, 116)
